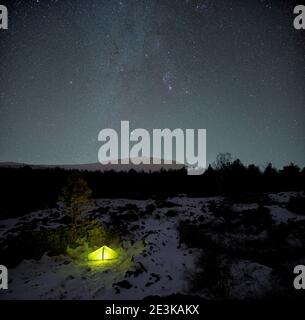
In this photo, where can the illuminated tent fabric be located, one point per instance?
(103, 254)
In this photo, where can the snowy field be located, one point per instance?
(165, 266)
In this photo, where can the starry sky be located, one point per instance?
(71, 68)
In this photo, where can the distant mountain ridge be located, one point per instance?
(105, 167)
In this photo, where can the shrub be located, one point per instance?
(34, 244)
(212, 275)
(297, 205)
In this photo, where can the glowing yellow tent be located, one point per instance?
(103, 254)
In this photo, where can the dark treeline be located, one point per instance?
(25, 189)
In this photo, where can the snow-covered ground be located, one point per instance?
(165, 264)
(163, 268)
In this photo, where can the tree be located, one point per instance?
(76, 197)
(223, 161)
(222, 166)
(290, 176)
(270, 171)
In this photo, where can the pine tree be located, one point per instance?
(76, 197)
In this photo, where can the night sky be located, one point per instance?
(71, 68)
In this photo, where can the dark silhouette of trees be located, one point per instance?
(291, 175)
(25, 189)
(270, 178)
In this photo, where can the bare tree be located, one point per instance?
(223, 160)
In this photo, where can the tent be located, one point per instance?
(103, 254)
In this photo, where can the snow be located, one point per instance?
(166, 265)
(60, 278)
(283, 197)
(250, 279)
(282, 215)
